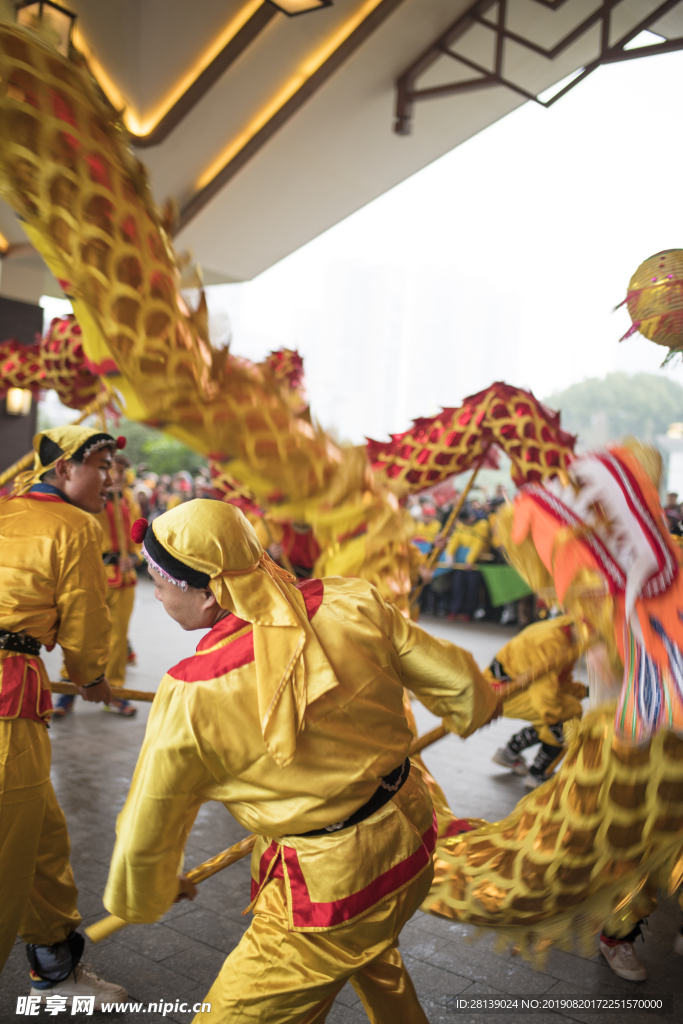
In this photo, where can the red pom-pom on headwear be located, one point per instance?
(138, 530)
(121, 442)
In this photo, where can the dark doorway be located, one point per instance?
(20, 320)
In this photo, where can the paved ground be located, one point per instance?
(93, 760)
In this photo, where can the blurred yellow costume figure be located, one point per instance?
(119, 514)
(472, 537)
(553, 698)
(291, 714)
(52, 591)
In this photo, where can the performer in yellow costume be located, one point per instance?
(291, 714)
(120, 556)
(52, 591)
(553, 698)
(467, 543)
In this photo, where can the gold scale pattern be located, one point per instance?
(85, 203)
(452, 442)
(56, 363)
(66, 169)
(578, 854)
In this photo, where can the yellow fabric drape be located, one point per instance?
(292, 669)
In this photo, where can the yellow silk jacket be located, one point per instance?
(130, 511)
(53, 587)
(475, 538)
(555, 696)
(204, 742)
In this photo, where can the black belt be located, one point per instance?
(111, 557)
(19, 642)
(389, 785)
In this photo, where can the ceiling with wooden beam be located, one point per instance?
(271, 122)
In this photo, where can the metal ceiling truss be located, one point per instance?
(408, 92)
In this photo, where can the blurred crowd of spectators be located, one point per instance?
(457, 590)
(156, 494)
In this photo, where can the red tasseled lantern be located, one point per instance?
(138, 530)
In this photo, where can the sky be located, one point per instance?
(502, 260)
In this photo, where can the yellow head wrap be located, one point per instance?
(292, 670)
(70, 440)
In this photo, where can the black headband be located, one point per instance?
(172, 566)
(50, 451)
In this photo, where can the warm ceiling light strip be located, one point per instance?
(313, 63)
(142, 126)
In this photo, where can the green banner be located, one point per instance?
(503, 583)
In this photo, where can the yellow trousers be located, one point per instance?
(120, 604)
(276, 975)
(37, 890)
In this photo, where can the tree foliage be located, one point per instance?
(603, 409)
(159, 452)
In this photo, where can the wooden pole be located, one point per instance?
(445, 532)
(26, 461)
(108, 925)
(119, 692)
(420, 742)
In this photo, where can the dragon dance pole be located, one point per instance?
(121, 694)
(433, 556)
(26, 461)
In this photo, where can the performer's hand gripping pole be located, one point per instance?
(108, 925)
(116, 691)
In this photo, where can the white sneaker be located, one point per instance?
(678, 944)
(624, 961)
(83, 982)
(515, 762)
(532, 781)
